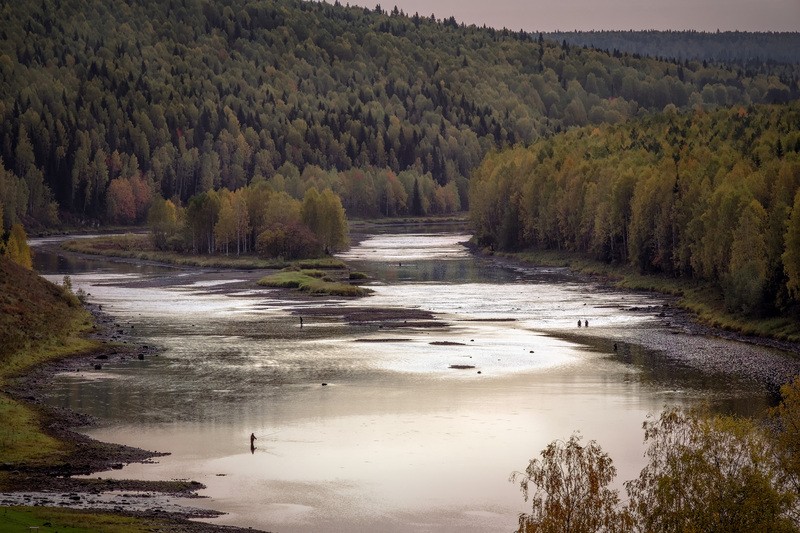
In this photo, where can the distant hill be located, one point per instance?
(198, 94)
(747, 49)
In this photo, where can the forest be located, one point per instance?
(713, 196)
(108, 101)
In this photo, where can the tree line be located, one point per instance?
(188, 96)
(252, 219)
(703, 195)
(750, 51)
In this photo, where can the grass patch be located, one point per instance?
(314, 273)
(77, 521)
(306, 281)
(702, 298)
(323, 263)
(21, 438)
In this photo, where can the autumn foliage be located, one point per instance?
(252, 219)
(15, 247)
(704, 473)
(709, 196)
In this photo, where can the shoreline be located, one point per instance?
(688, 318)
(56, 485)
(675, 335)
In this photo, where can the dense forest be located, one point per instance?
(114, 99)
(707, 195)
(750, 51)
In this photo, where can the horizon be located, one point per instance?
(547, 16)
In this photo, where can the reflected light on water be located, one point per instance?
(396, 439)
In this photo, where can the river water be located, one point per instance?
(396, 440)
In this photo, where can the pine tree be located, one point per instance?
(416, 200)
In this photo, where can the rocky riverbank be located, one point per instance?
(58, 485)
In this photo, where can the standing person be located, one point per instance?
(253, 438)
(579, 323)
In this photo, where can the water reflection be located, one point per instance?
(396, 439)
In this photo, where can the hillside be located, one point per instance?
(177, 98)
(34, 314)
(39, 322)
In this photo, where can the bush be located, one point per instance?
(705, 473)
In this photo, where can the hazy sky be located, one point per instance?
(549, 15)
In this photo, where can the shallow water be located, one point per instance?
(397, 440)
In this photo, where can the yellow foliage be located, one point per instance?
(17, 248)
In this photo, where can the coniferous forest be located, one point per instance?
(107, 105)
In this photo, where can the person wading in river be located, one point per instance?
(253, 439)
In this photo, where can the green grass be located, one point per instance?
(308, 281)
(21, 437)
(702, 298)
(322, 263)
(16, 519)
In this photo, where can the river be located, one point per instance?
(396, 439)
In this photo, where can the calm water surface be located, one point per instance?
(397, 440)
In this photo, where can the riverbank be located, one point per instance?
(702, 300)
(45, 330)
(139, 247)
(316, 276)
(678, 332)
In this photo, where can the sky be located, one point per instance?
(567, 15)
